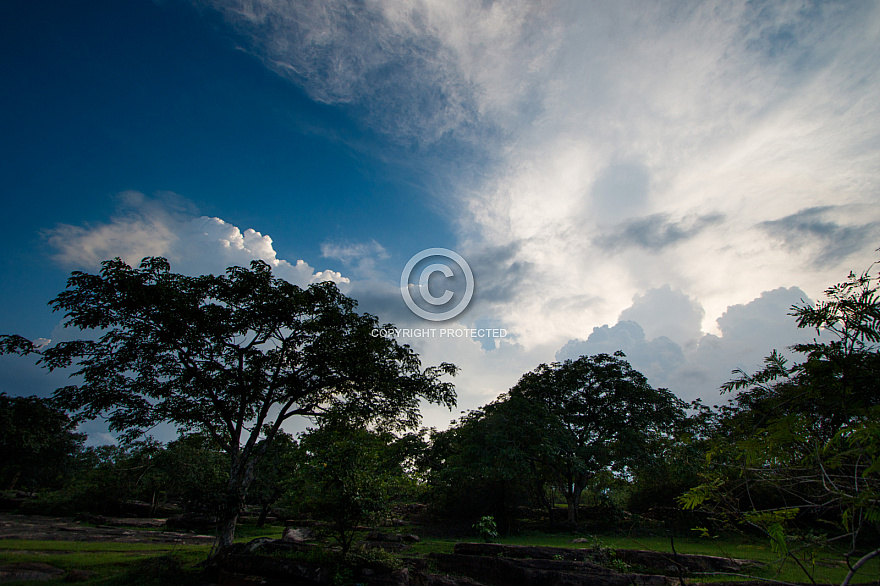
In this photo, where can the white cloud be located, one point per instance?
(168, 226)
(695, 365)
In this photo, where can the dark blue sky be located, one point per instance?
(103, 97)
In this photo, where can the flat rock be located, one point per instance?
(33, 571)
(500, 571)
(298, 534)
(392, 537)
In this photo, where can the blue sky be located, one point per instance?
(666, 179)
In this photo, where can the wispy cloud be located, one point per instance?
(415, 70)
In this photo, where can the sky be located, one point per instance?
(665, 179)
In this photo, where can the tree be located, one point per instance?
(38, 442)
(797, 453)
(481, 466)
(588, 415)
(354, 474)
(233, 355)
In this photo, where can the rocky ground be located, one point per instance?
(103, 529)
(93, 529)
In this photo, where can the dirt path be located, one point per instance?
(113, 530)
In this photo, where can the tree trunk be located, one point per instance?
(264, 512)
(226, 527)
(573, 489)
(240, 478)
(547, 503)
(573, 500)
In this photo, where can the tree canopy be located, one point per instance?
(233, 355)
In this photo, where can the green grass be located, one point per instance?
(248, 531)
(108, 560)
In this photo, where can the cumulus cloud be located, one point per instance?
(168, 226)
(695, 365)
(665, 312)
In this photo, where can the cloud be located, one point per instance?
(654, 358)
(665, 312)
(416, 71)
(348, 253)
(167, 226)
(693, 131)
(656, 231)
(695, 365)
(819, 229)
(607, 130)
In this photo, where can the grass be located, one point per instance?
(109, 560)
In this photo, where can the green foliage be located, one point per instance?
(795, 456)
(349, 476)
(478, 465)
(486, 528)
(374, 558)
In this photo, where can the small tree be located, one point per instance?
(234, 356)
(354, 475)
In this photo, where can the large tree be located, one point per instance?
(588, 415)
(234, 355)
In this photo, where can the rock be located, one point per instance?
(192, 522)
(298, 534)
(93, 519)
(288, 571)
(525, 551)
(665, 563)
(670, 563)
(32, 571)
(500, 571)
(438, 580)
(395, 578)
(392, 537)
